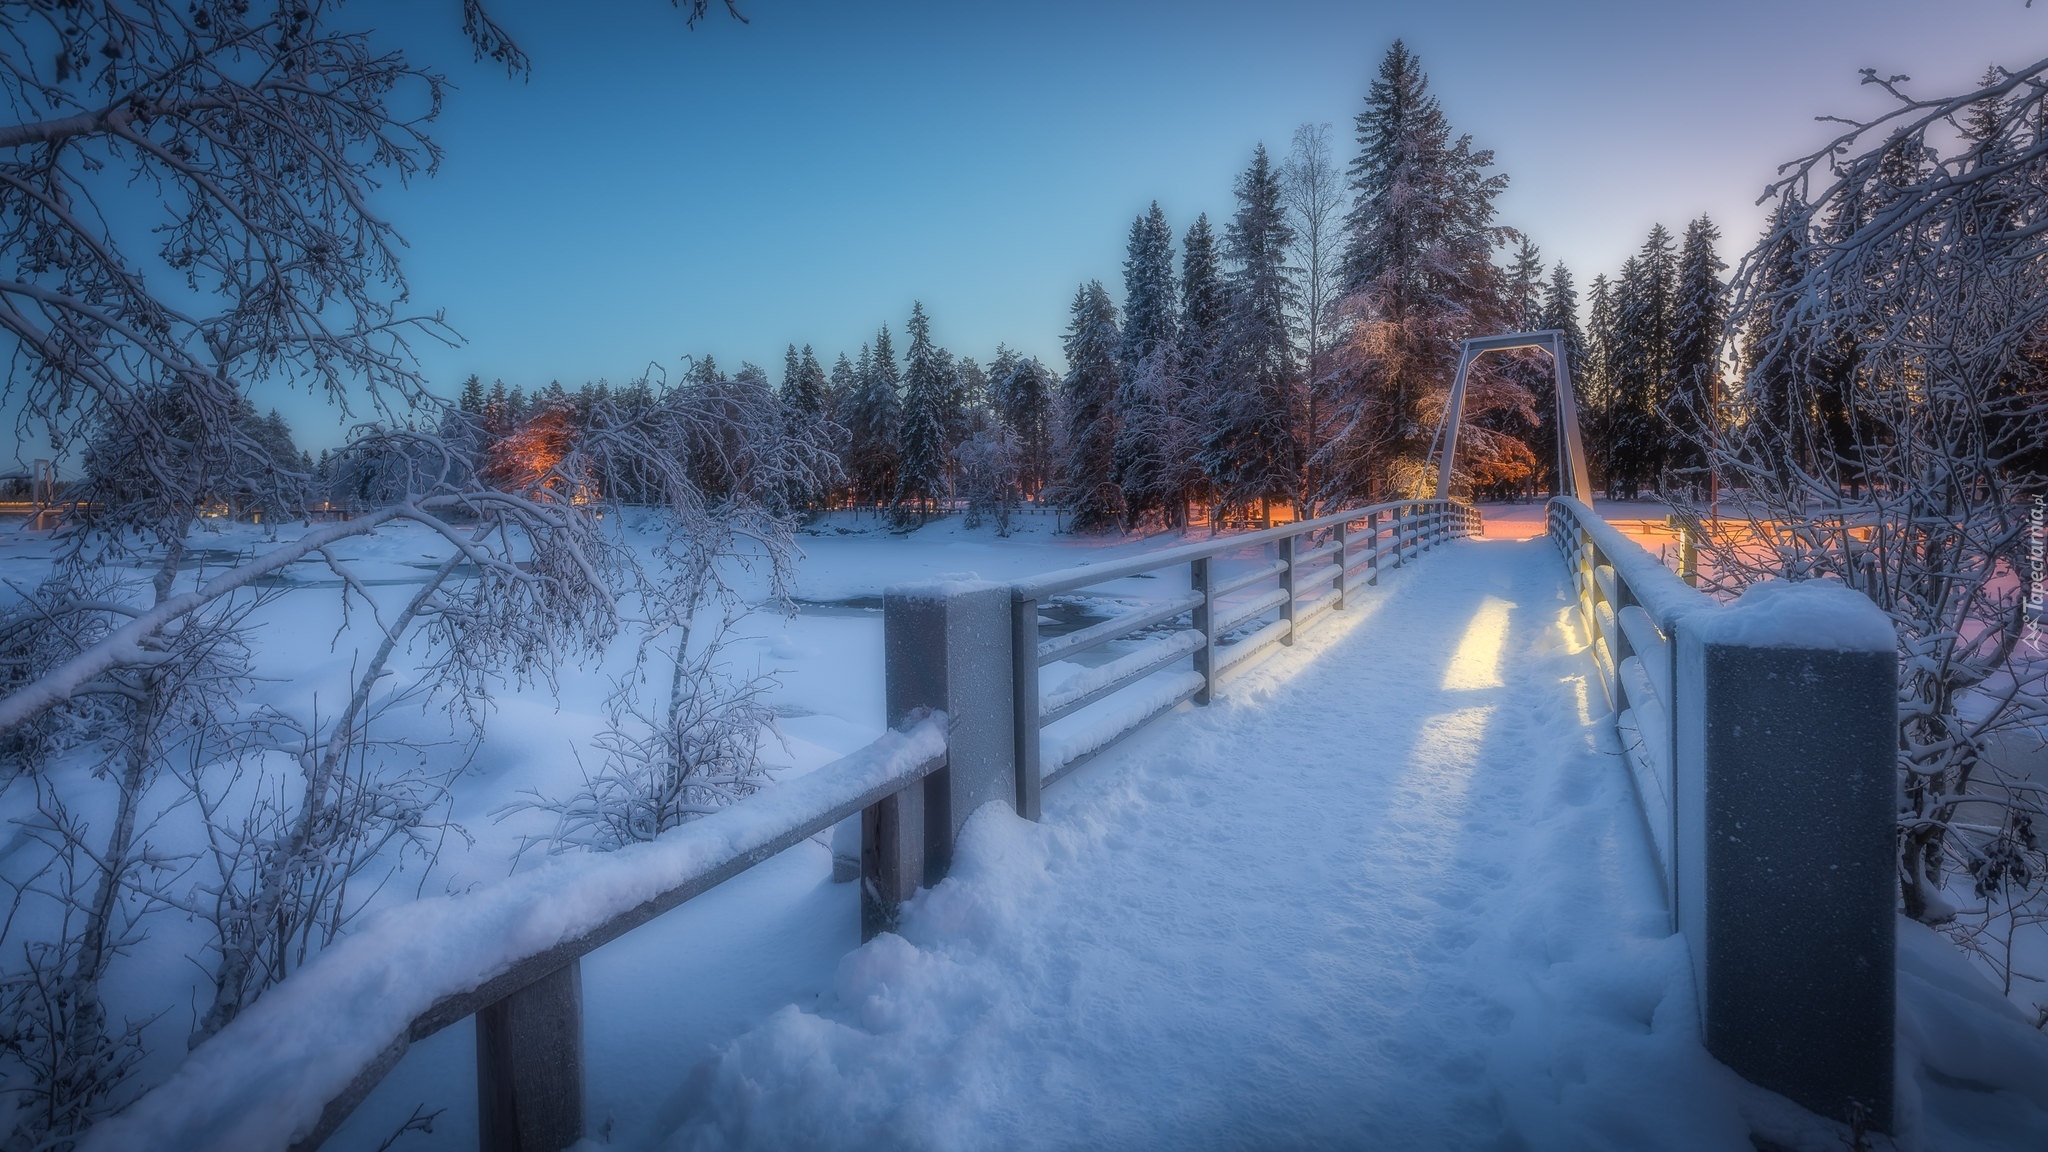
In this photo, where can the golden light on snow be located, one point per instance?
(1476, 663)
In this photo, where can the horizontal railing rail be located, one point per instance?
(291, 1068)
(1630, 603)
(1760, 738)
(1214, 627)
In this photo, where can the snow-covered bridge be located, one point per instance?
(1366, 834)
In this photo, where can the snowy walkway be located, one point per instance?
(1389, 893)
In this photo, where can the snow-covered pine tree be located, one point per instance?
(968, 401)
(803, 409)
(841, 387)
(1148, 374)
(1596, 393)
(1028, 392)
(1699, 314)
(1204, 311)
(791, 366)
(874, 424)
(472, 400)
(927, 394)
(1642, 364)
(1249, 450)
(1088, 488)
(1418, 277)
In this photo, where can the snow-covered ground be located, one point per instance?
(1392, 890)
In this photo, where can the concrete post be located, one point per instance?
(529, 1066)
(947, 647)
(1786, 730)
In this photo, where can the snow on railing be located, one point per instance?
(964, 700)
(1630, 602)
(287, 1072)
(1760, 736)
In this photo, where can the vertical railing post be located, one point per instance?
(1343, 535)
(1024, 703)
(892, 832)
(1285, 547)
(946, 648)
(1785, 841)
(1205, 623)
(529, 1066)
(1401, 534)
(1372, 545)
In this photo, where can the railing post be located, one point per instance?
(1785, 840)
(529, 1066)
(947, 649)
(1372, 556)
(1343, 535)
(1205, 623)
(1285, 547)
(892, 833)
(1024, 703)
(1401, 521)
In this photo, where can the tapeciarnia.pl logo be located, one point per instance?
(2037, 572)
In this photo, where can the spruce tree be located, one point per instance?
(1642, 360)
(472, 400)
(1597, 392)
(874, 424)
(1205, 302)
(1148, 375)
(840, 388)
(1089, 488)
(1250, 451)
(1027, 409)
(812, 387)
(1417, 271)
(1525, 287)
(1204, 311)
(1698, 316)
(791, 368)
(927, 383)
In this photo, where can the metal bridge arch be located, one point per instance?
(1571, 448)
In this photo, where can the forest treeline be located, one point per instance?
(1298, 356)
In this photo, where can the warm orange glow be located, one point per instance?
(529, 459)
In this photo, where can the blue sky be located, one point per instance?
(653, 191)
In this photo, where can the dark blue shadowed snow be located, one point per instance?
(1390, 892)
